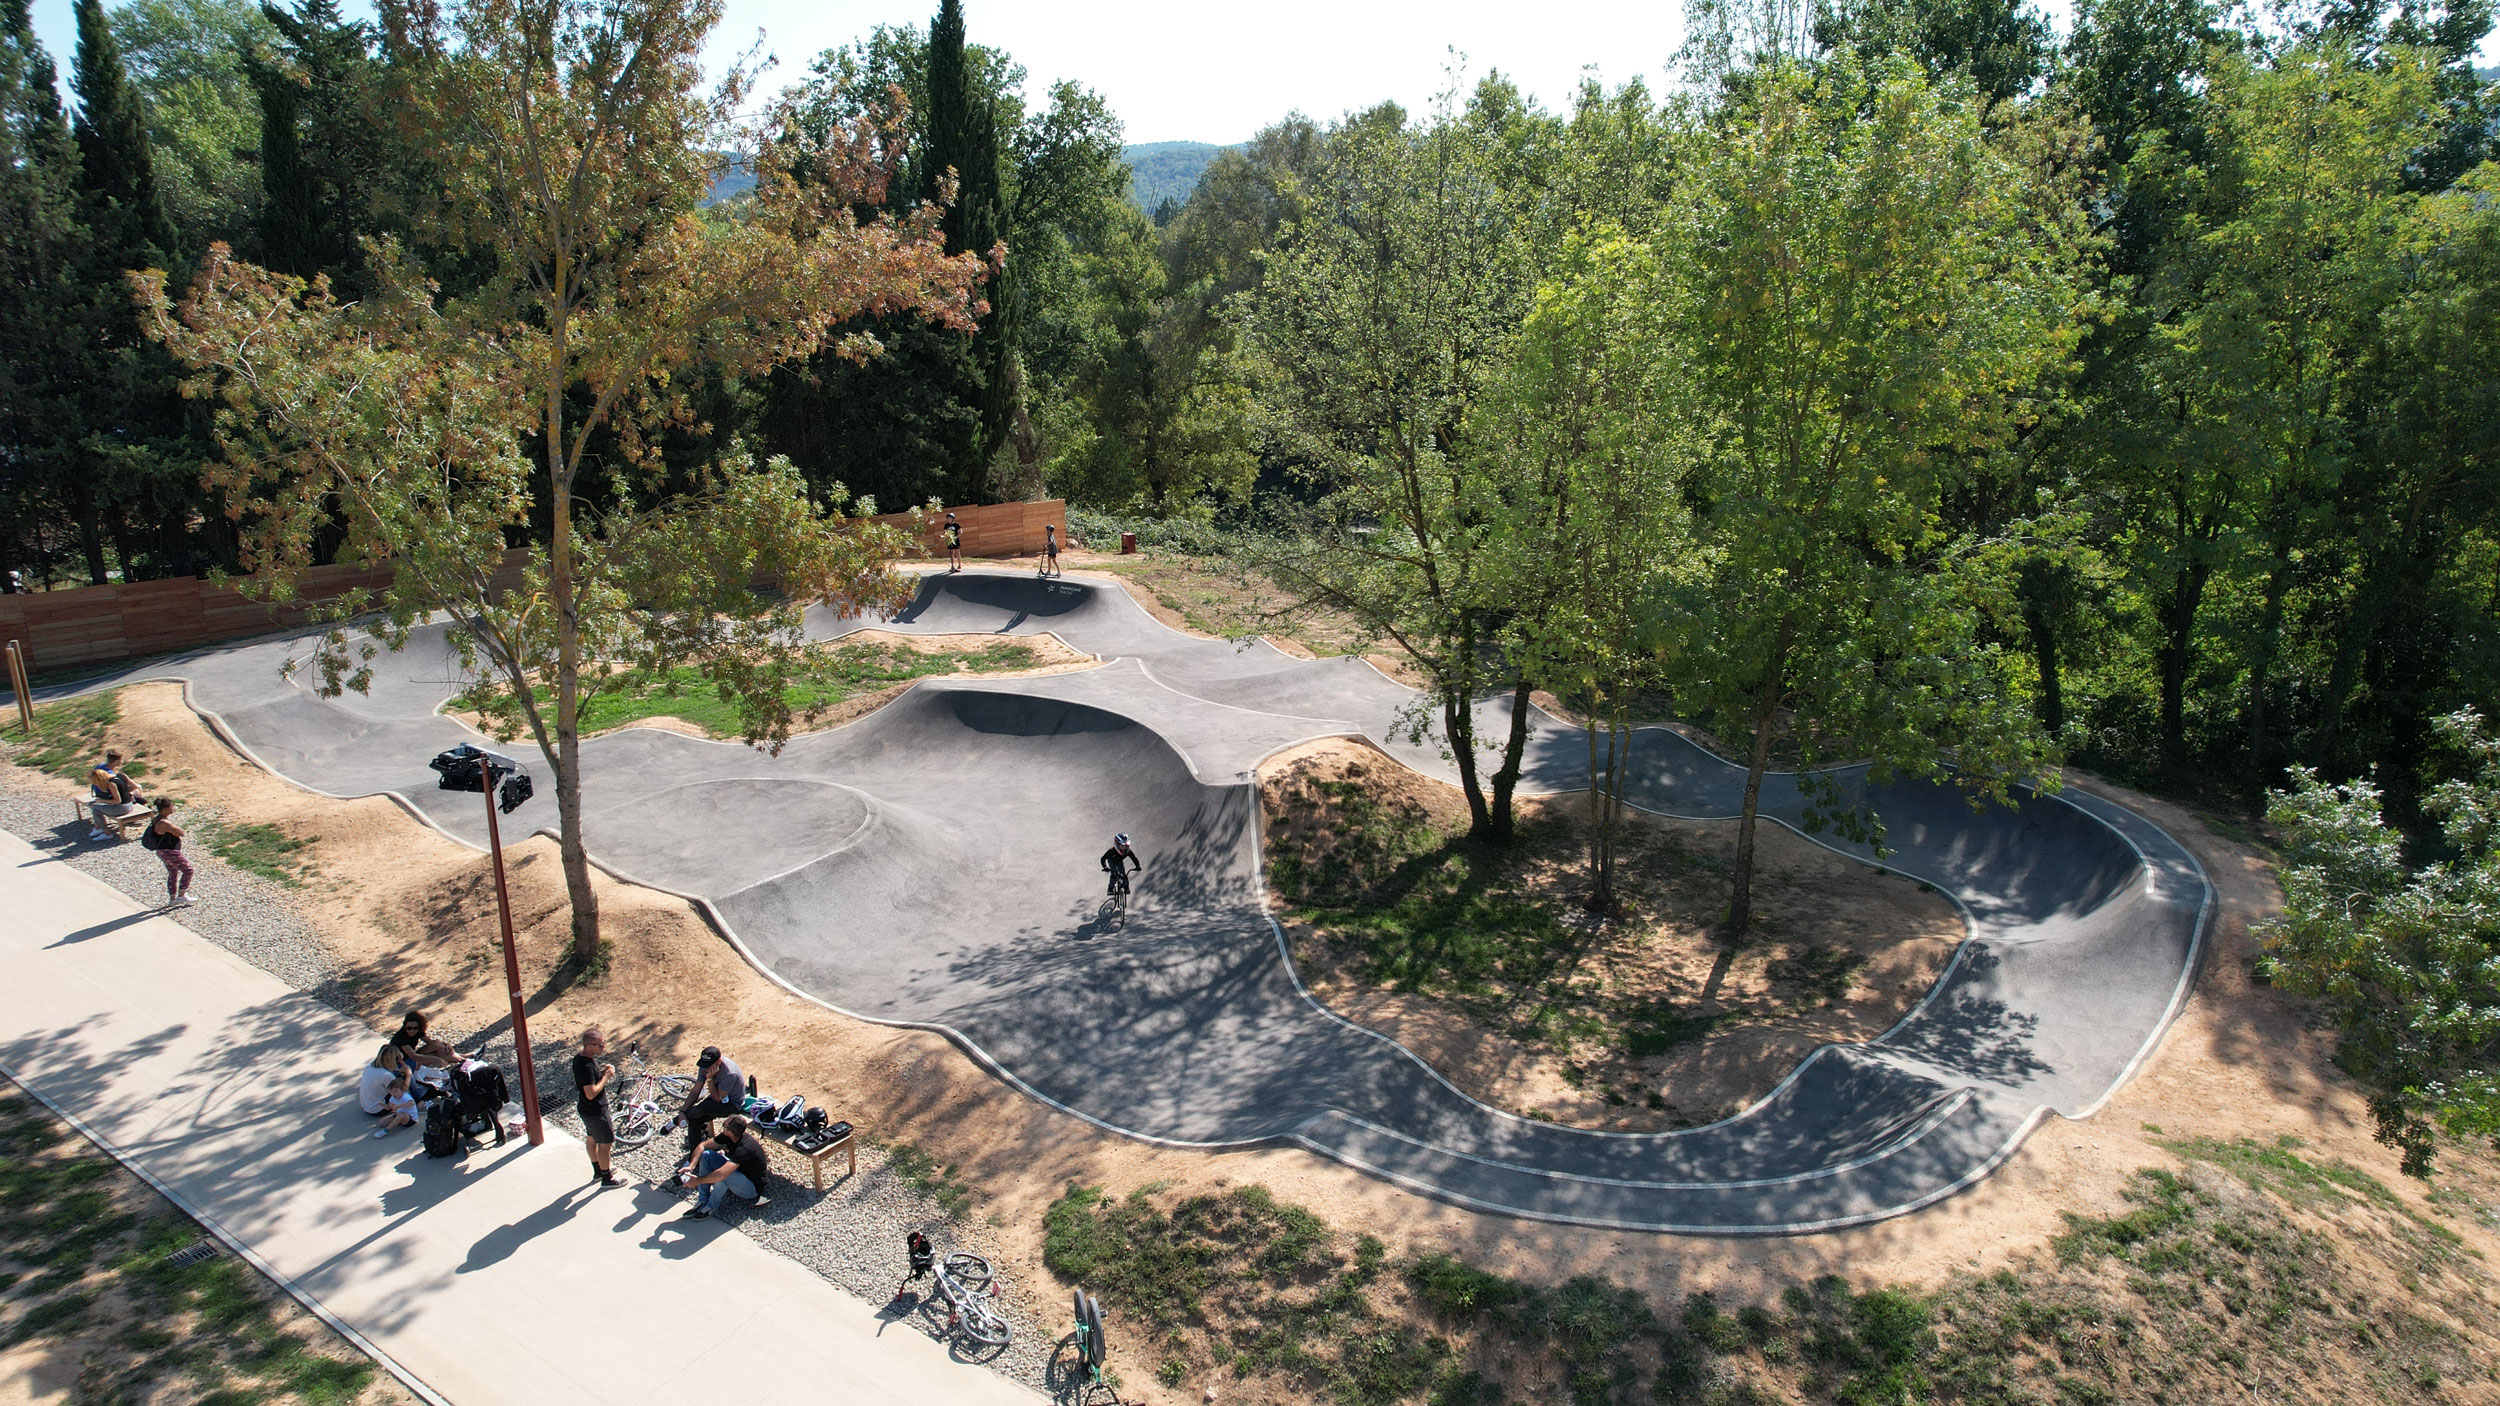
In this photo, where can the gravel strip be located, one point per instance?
(851, 1235)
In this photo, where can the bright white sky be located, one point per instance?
(1179, 72)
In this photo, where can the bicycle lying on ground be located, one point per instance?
(647, 1101)
(970, 1289)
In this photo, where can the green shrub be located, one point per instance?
(1459, 1291)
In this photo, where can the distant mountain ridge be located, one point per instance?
(1161, 171)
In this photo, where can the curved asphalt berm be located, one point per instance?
(933, 864)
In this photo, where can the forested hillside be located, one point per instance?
(2226, 506)
(1165, 171)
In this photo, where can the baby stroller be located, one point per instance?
(481, 1094)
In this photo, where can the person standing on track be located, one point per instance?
(954, 544)
(1118, 862)
(1050, 549)
(590, 1084)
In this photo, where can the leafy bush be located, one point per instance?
(1459, 1291)
(1100, 531)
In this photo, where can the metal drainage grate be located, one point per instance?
(194, 1253)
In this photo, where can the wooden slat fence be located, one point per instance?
(992, 530)
(102, 624)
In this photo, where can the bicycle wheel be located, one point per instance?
(981, 1323)
(969, 1270)
(635, 1123)
(674, 1086)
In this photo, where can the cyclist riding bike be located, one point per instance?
(1116, 861)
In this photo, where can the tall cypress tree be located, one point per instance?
(290, 203)
(962, 137)
(142, 444)
(45, 334)
(325, 157)
(116, 166)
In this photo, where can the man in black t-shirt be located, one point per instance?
(732, 1162)
(954, 544)
(590, 1084)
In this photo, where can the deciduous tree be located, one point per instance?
(2405, 956)
(1875, 291)
(573, 145)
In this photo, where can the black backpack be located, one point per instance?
(442, 1128)
(148, 838)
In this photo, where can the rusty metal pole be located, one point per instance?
(512, 966)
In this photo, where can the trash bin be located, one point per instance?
(1128, 544)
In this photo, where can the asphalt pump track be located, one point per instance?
(933, 865)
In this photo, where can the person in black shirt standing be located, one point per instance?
(954, 544)
(590, 1082)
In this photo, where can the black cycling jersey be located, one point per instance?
(1115, 856)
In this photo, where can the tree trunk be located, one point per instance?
(2261, 668)
(1514, 761)
(117, 526)
(90, 533)
(561, 594)
(1765, 713)
(2178, 617)
(2044, 651)
(1458, 728)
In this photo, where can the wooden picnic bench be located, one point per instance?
(120, 825)
(847, 1144)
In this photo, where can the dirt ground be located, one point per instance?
(410, 913)
(1888, 939)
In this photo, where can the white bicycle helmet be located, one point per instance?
(1120, 841)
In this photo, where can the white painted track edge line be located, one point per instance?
(295, 1291)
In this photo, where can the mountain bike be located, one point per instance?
(970, 1288)
(1114, 910)
(647, 1101)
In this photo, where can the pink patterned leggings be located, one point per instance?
(177, 872)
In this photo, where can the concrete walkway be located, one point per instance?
(499, 1277)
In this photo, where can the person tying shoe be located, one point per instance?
(731, 1163)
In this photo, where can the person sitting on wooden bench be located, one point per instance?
(116, 797)
(730, 1163)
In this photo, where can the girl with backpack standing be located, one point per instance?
(165, 837)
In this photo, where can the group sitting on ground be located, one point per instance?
(386, 1089)
(413, 1067)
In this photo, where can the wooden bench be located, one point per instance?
(120, 825)
(848, 1144)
